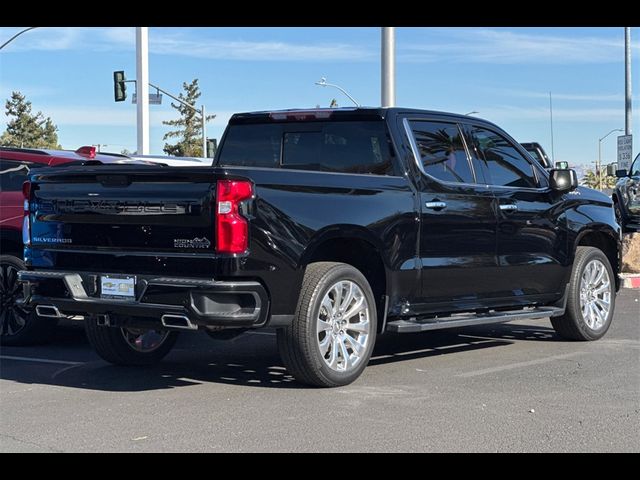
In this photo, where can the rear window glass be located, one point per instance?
(252, 146)
(12, 175)
(347, 147)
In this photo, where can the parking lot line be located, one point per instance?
(38, 360)
(511, 366)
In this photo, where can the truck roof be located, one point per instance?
(343, 113)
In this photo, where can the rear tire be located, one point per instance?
(19, 326)
(129, 346)
(331, 339)
(588, 315)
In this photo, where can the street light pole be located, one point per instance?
(388, 62)
(15, 36)
(627, 80)
(599, 166)
(323, 83)
(142, 88)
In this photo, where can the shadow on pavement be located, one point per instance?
(248, 360)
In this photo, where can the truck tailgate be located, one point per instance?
(124, 208)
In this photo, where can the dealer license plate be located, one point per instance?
(120, 288)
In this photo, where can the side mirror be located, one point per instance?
(621, 173)
(563, 180)
(562, 165)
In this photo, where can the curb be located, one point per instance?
(630, 280)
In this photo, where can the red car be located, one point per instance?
(19, 326)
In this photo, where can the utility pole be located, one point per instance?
(388, 62)
(204, 132)
(553, 154)
(142, 88)
(627, 80)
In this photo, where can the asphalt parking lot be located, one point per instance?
(513, 387)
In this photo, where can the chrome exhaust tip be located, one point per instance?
(48, 311)
(170, 320)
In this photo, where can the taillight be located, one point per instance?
(26, 227)
(232, 229)
(302, 115)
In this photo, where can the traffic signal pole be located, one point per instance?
(201, 112)
(142, 88)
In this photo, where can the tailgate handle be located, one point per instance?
(114, 180)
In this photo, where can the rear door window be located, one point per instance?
(442, 151)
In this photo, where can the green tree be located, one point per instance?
(26, 130)
(590, 180)
(189, 125)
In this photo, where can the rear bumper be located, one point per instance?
(204, 302)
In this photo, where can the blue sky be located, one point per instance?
(505, 74)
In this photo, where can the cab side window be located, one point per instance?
(442, 151)
(504, 164)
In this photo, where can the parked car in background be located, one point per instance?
(538, 153)
(626, 197)
(331, 226)
(20, 325)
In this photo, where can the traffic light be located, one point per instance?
(119, 87)
(212, 146)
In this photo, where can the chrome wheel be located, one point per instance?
(595, 294)
(144, 341)
(13, 318)
(343, 326)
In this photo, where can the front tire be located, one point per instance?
(591, 300)
(332, 336)
(129, 346)
(19, 325)
(617, 210)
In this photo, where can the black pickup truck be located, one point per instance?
(331, 226)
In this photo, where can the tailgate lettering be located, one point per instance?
(114, 207)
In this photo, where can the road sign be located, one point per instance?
(154, 98)
(625, 144)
